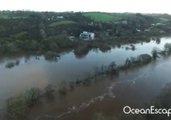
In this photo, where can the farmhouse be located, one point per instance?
(87, 36)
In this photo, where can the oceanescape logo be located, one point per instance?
(152, 110)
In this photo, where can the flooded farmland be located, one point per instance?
(103, 96)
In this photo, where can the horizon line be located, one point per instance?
(72, 11)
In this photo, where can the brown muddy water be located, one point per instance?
(105, 95)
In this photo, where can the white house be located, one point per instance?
(87, 36)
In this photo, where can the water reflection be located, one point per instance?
(81, 53)
(105, 48)
(51, 56)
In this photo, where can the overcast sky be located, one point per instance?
(142, 6)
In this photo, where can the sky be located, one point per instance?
(136, 6)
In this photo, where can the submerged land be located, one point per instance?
(48, 71)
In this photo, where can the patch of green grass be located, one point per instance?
(66, 22)
(103, 17)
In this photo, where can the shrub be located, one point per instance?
(10, 64)
(18, 106)
(63, 89)
(168, 48)
(155, 54)
(32, 96)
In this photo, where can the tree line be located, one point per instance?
(30, 31)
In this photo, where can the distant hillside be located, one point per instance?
(44, 31)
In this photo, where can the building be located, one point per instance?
(87, 36)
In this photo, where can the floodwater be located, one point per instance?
(105, 95)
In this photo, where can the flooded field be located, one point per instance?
(103, 96)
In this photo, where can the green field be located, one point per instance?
(103, 17)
